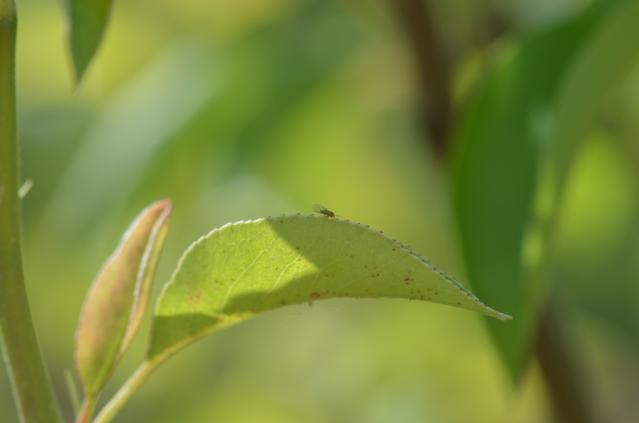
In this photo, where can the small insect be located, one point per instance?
(323, 210)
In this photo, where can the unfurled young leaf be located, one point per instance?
(87, 21)
(250, 267)
(117, 299)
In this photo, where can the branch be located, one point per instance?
(30, 382)
(562, 380)
(433, 68)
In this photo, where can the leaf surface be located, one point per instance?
(250, 267)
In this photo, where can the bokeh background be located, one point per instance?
(245, 108)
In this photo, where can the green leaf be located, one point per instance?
(136, 115)
(87, 20)
(118, 297)
(250, 267)
(517, 142)
(600, 69)
(500, 139)
(601, 66)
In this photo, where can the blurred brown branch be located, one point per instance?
(557, 364)
(433, 69)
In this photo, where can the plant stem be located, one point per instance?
(30, 382)
(126, 391)
(72, 389)
(86, 410)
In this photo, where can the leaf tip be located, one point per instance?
(86, 25)
(491, 312)
(503, 316)
(165, 205)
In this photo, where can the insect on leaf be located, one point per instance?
(323, 210)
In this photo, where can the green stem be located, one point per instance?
(126, 391)
(30, 382)
(139, 377)
(86, 410)
(73, 392)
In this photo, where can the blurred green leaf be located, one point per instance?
(264, 81)
(500, 138)
(87, 20)
(250, 267)
(605, 61)
(517, 142)
(596, 74)
(130, 131)
(599, 238)
(117, 299)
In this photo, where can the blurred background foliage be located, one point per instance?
(248, 108)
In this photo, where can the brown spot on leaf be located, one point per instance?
(313, 296)
(193, 297)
